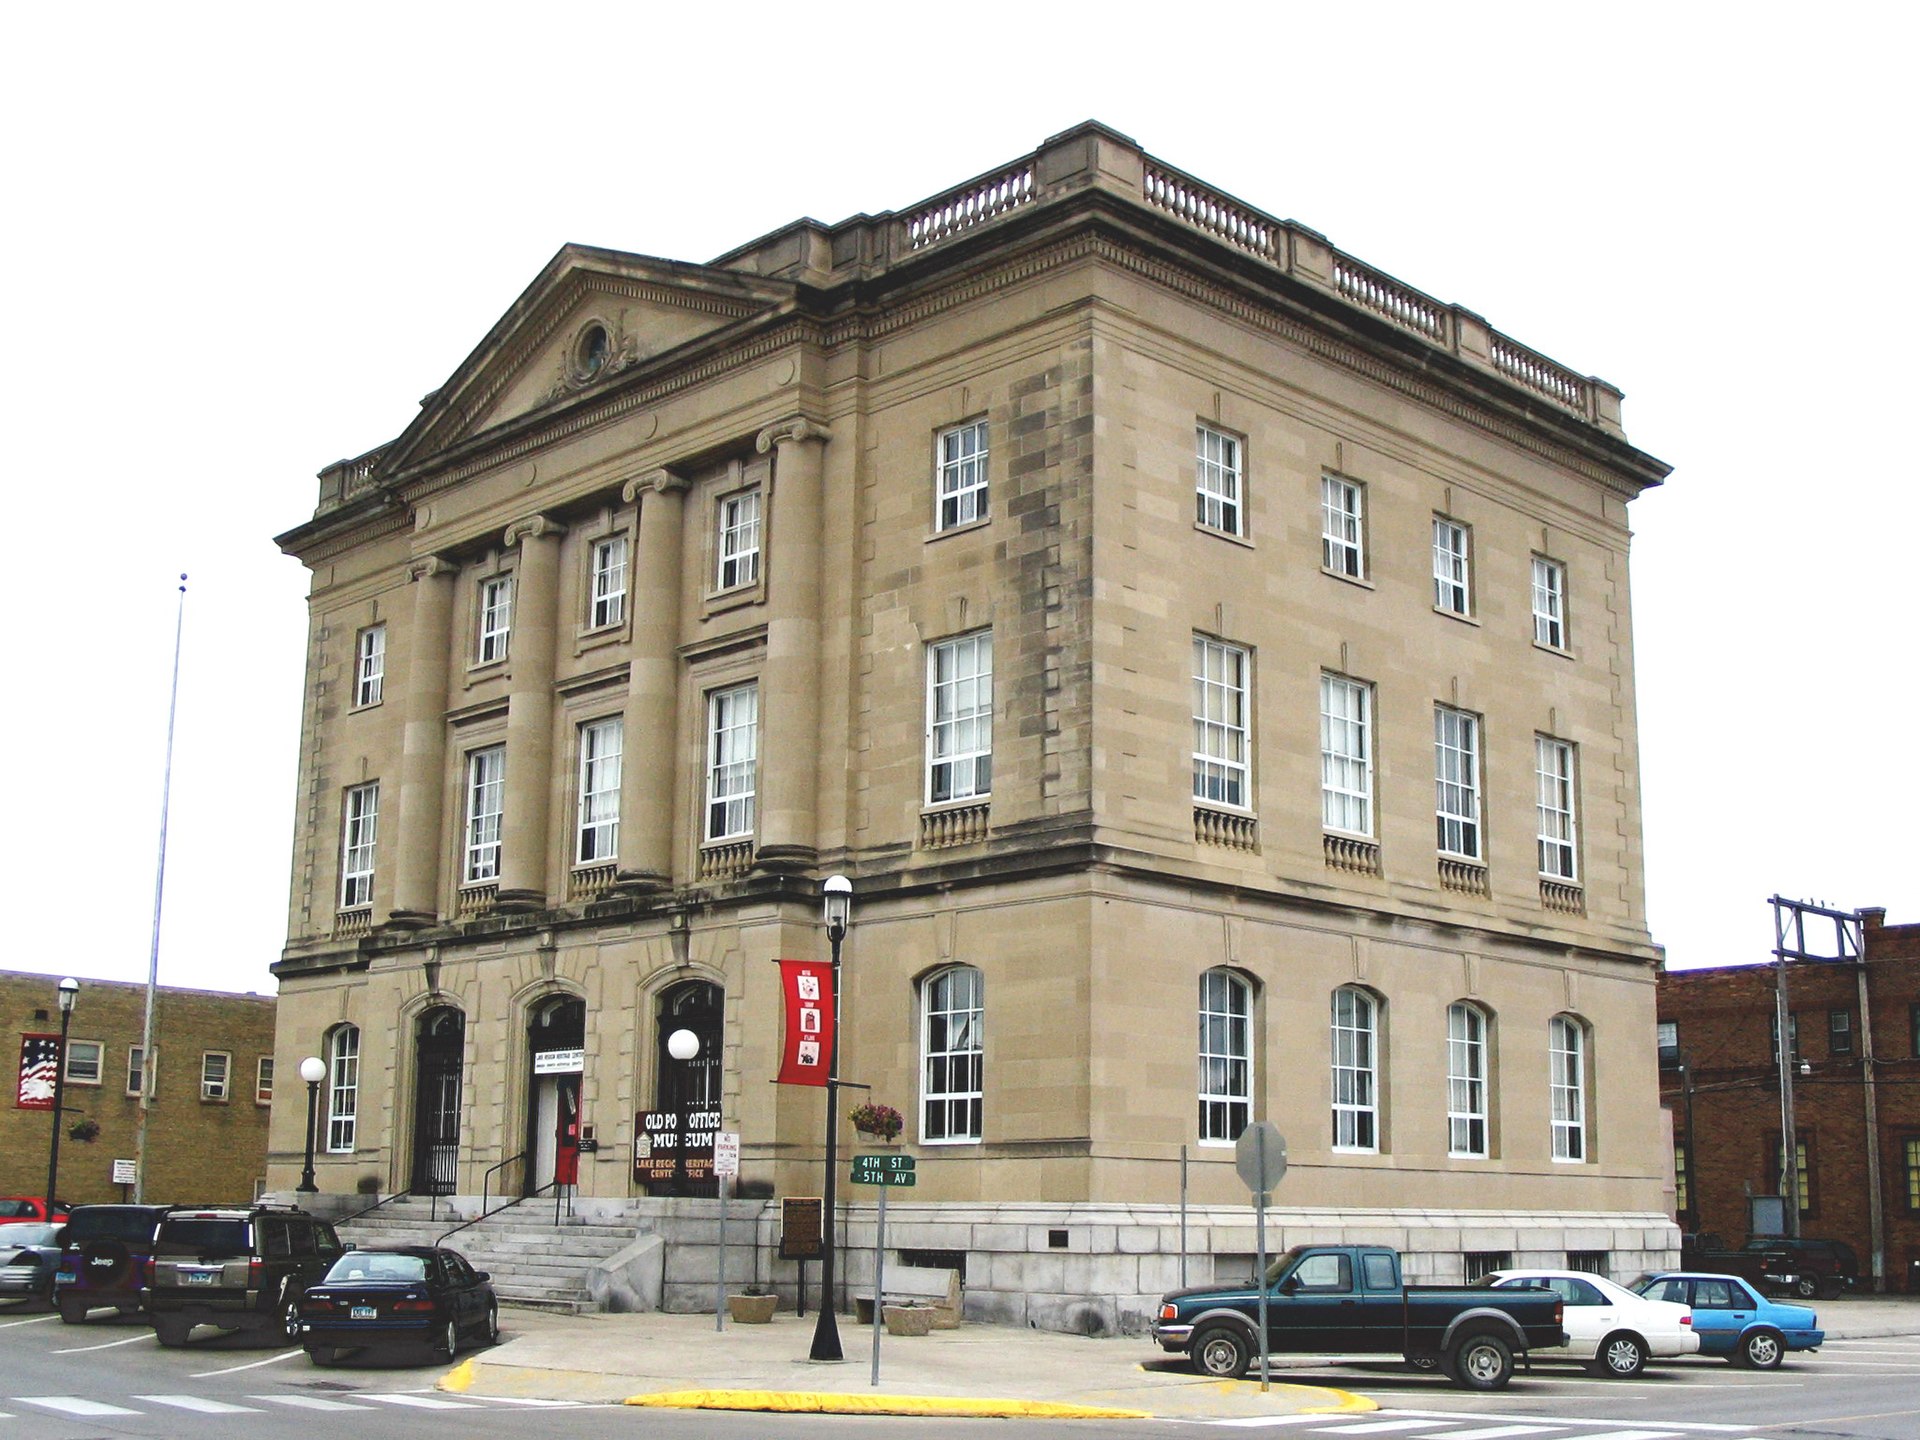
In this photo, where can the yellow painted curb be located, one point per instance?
(459, 1379)
(827, 1403)
(1347, 1404)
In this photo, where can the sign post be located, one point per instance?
(1260, 1159)
(886, 1171)
(726, 1165)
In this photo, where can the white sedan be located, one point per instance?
(1614, 1331)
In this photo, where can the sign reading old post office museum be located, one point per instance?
(674, 1145)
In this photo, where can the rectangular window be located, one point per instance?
(1482, 1263)
(733, 719)
(1567, 1081)
(1220, 736)
(1913, 1031)
(1587, 1262)
(1682, 1191)
(1839, 1032)
(215, 1066)
(362, 821)
(136, 1066)
(1549, 603)
(1342, 521)
(960, 718)
(1456, 774)
(1554, 806)
(263, 1081)
(486, 803)
(1773, 1035)
(1355, 1082)
(961, 481)
(1776, 1176)
(1452, 588)
(369, 665)
(343, 1089)
(609, 582)
(1226, 1056)
(738, 541)
(1346, 755)
(496, 618)
(1217, 502)
(84, 1059)
(599, 807)
(1466, 1082)
(1910, 1149)
(952, 1056)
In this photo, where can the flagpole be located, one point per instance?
(159, 890)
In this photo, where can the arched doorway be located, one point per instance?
(556, 1046)
(690, 1087)
(439, 1044)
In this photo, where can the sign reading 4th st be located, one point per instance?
(882, 1170)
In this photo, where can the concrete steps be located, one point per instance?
(534, 1261)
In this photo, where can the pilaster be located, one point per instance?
(653, 683)
(529, 780)
(416, 864)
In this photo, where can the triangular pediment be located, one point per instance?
(589, 317)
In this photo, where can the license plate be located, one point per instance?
(363, 1312)
(199, 1277)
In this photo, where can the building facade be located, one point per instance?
(212, 1081)
(1208, 657)
(1854, 1033)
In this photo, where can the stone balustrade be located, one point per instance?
(1561, 898)
(1225, 829)
(966, 206)
(1350, 855)
(351, 924)
(586, 881)
(1465, 878)
(475, 900)
(726, 862)
(960, 825)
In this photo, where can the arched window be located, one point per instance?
(1467, 1081)
(1567, 1084)
(1226, 1056)
(343, 1088)
(1355, 1072)
(951, 1057)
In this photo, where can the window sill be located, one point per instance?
(592, 637)
(1360, 580)
(957, 1140)
(1243, 541)
(963, 528)
(356, 708)
(1216, 1144)
(1463, 617)
(1460, 1155)
(1560, 650)
(1354, 1150)
(720, 602)
(481, 671)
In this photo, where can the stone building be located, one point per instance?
(1854, 1032)
(212, 1089)
(1208, 657)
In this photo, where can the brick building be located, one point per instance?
(1855, 1033)
(212, 1092)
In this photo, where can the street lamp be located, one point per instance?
(69, 988)
(837, 895)
(312, 1070)
(683, 1045)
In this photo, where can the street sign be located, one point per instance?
(1260, 1157)
(125, 1172)
(726, 1154)
(882, 1170)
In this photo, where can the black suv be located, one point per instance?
(238, 1267)
(105, 1250)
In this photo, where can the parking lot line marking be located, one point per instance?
(306, 1402)
(1498, 1432)
(1381, 1427)
(70, 1405)
(36, 1320)
(1634, 1435)
(83, 1349)
(251, 1365)
(198, 1403)
(423, 1402)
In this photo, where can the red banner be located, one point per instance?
(39, 1063)
(808, 987)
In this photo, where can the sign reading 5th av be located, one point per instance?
(882, 1170)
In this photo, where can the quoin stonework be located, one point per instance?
(1208, 657)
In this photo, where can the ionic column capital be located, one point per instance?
(532, 527)
(429, 567)
(791, 431)
(660, 482)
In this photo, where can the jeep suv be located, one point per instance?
(238, 1267)
(105, 1250)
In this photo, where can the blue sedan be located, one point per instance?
(1735, 1320)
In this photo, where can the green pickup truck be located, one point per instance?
(1348, 1300)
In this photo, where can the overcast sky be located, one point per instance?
(246, 241)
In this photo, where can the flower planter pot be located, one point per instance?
(869, 1137)
(752, 1309)
(908, 1319)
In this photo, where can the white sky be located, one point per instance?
(246, 240)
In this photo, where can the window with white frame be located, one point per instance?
(737, 540)
(496, 617)
(1456, 775)
(1549, 603)
(733, 747)
(136, 1068)
(1553, 774)
(216, 1068)
(1220, 734)
(1218, 503)
(343, 1088)
(263, 1081)
(1567, 1086)
(360, 814)
(1226, 1056)
(599, 799)
(609, 587)
(369, 665)
(1355, 1075)
(1452, 589)
(1346, 755)
(960, 718)
(952, 1056)
(961, 475)
(84, 1061)
(1466, 1081)
(1342, 522)
(486, 803)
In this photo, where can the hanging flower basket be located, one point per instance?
(877, 1122)
(86, 1130)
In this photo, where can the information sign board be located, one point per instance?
(726, 1154)
(882, 1170)
(800, 1227)
(673, 1145)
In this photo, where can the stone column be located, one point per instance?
(523, 826)
(416, 834)
(648, 725)
(789, 683)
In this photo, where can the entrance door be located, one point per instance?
(439, 1040)
(556, 1040)
(692, 1086)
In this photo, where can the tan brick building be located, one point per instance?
(212, 1091)
(1208, 657)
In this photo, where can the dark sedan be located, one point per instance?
(411, 1295)
(29, 1257)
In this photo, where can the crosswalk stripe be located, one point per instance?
(1261, 1422)
(1497, 1432)
(427, 1402)
(306, 1402)
(199, 1404)
(70, 1405)
(1634, 1435)
(1382, 1427)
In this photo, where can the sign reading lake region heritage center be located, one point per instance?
(807, 986)
(800, 1227)
(674, 1145)
(559, 1062)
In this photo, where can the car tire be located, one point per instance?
(1481, 1362)
(72, 1312)
(287, 1324)
(1222, 1351)
(448, 1343)
(171, 1334)
(325, 1356)
(1807, 1287)
(1761, 1350)
(1621, 1356)
(492, 1331)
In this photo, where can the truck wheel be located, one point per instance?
(1621, 1357)
(1807, 1287)
(1761, 1350)
(1222, 1351)
(171, 1334)
(1481, 1362)
(72, 1312)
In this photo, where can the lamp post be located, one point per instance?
(683, 1045)
(69, 988)
(312, 1070)
(837, 895)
